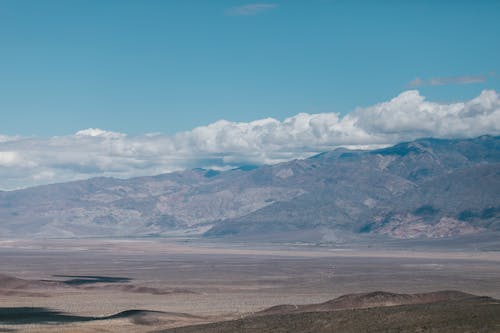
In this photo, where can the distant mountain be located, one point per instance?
(427, 188)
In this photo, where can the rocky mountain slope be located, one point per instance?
(372, 312)
(428, 188)
(369, 300)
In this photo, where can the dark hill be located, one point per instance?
(449, 312)
(369, 300)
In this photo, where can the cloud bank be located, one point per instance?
(28, 161)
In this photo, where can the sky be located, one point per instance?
(124, 88)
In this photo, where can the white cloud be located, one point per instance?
(416, 82)
(96, 132)
(9, 158)
(224, 144)
(441, 81)
(250, 9)
(5, 138)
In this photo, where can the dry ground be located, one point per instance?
(211, 283)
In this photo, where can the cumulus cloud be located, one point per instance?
(440, 81)
(9, 158)
(225, 144)
(5, 138)
(250, 9)
(97, 132)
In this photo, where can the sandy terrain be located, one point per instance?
(192, 284)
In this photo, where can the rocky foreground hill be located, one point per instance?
(427, 188)
(444, 312)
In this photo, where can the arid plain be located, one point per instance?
(141, 285)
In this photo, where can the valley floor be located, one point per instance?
(175, 283)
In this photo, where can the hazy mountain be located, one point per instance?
(426, 188)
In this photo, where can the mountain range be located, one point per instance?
(428, 188)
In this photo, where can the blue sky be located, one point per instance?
(168, 66)
(127, 88)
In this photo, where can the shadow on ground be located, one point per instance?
(78, 280)
(40, 315)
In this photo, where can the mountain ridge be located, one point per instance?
(429, 188)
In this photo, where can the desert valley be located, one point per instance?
(156, 285)
(106, 256)
(237, 166)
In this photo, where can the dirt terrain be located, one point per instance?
(369, 300)
(97, 285)
(471, 315)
